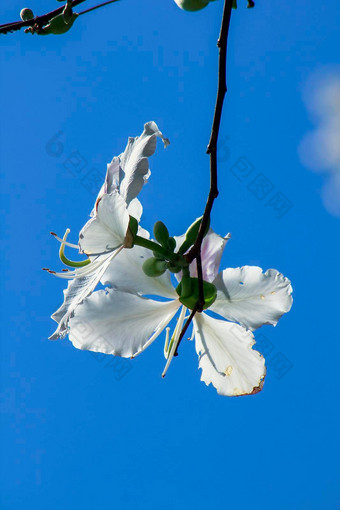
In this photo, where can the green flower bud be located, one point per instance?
(26, 14)
(192, 5)
(209, 292)
(154, 267)
(191, 235)
(161, 233)
(171, 244)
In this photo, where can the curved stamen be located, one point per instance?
(67, 261)
(71, 245)
(88, 269)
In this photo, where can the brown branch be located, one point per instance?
(40, 20)
(212, 146)
(195, 251)
(184, 330)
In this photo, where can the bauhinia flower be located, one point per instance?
(114, 220)
(121, 321)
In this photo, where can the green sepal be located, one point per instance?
(154, 267)
(191, 235)
(133, 226)
(171, 245)
(234, 6)
(161, 233)
(209, 292)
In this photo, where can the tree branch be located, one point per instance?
(195, 251)
(40, 20)
(186, 325)
(212, 146)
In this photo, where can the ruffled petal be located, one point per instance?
(250, 297)
(107, 230)
(119, 323)
(134, 163)
(126, 273)
(226, 357)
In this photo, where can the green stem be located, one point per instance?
(151, 245)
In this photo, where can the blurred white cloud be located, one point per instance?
(320, 149)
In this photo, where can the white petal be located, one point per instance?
(126, 273)
(212, 250)
(119, 323)
(112, 175)
(107, 230)
(135, 209)
(226, 357)
(251, 297)
(134, 163)
(111, 182)
(77, 290)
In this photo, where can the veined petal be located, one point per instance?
(107, 230)
(134, 163)
(111, 182)
(126, 273)
(226, 357)
(250, 297)
(212, 250)
(78, 289)
(119, 323)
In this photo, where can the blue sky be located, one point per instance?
(82, 431)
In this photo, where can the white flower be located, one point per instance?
(106, 233)
(121, 321)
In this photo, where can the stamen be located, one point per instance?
(67, 261)
(166, 345)
(175, 338)
(71, 245)
(158, 331)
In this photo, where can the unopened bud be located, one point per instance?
(192, 5)
(161, 233)
(154, 267)
(191, 235)
(26, 14)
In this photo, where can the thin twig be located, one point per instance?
(184, 330)
(195, 251)
(212, 146)
(40, 20)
